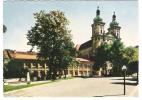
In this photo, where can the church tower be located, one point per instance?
(97, 31)
(114, 27)
(99, 36)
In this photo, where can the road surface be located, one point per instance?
(79, 87)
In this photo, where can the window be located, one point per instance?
(76, 73)
(101, 31)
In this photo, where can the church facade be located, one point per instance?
(99, 36)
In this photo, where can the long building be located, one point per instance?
(18, 61)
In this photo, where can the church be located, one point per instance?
(99, 36)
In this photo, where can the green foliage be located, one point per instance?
(15, 69)
(118, 55)
(133, 67)
(53, 39)
(16, 87)
(131, 56)
(4, 28)
(11, 87)
(101, 56)
(5, 67)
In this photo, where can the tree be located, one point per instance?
(13, 66)
(131, 55)
(4, 28)
(116, 57)
(52, 38)
(68, 61)
(101, 56)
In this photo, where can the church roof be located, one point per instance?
(8, 53)
(86, 45)
(114, 23)
(19, 55)
(108, 34)
(98, 19)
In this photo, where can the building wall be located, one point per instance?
(84, 69)
(27, 56)
(39, 69)
(86, 52)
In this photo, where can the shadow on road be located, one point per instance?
(127, 83)
(109, 95)
(130, 79)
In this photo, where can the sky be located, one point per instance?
(18, 17)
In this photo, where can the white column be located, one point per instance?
(63, 72)
(45, 67)
(91, 70)
(31, 65)
(78, 71)
(68, 72)
(73, 71)
(100, 74)
(83, 69)
(28, 77)
(25, 65)
(38, 67)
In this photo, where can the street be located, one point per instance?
(80, 87)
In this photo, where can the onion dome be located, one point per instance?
(114, 22)
(98, 18)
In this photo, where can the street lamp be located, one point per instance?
(124, 69)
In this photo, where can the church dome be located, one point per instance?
(98, 19)
(114, 23)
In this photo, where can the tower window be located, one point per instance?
(101, 31)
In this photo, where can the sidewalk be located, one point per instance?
(134, 93)
(24, 83)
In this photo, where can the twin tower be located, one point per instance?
(99, 35)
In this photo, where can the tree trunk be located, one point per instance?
(54, 74)
(60, 73)
(65, 72)
(49, 74)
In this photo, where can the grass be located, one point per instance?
(7, 88)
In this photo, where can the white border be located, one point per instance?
(140, 48)
(72, 98)
(1, 47)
